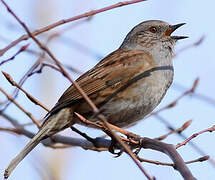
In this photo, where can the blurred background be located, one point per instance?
(81, 45)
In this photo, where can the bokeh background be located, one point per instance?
(81, 45)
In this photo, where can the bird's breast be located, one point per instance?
(140, 98)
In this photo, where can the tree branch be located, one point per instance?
(64, 21)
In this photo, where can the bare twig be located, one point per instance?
(201, 159)
(87, 122)
(31, 71)
(63, 21)
(192, 144)
(196, 95)
(101, 125)
(21, 108)
(41, 68)
(23, 48)
(23, 79)
(12, 130)
(30, 97)
(19, 129)
(211, 129)
(179, 130)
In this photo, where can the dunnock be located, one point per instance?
(127, 84)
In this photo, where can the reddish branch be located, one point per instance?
(100, 125)
(30, 97)
(63, 21)
(21, 108)
(211, 129)
(32, 71)
(192, 144)
(24, 78)
(179, 130)
(196, 95)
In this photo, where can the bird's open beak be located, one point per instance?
(172, 28)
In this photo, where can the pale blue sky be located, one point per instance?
(103, 34)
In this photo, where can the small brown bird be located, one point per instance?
(127, 84)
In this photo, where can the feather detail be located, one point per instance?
(108, 75)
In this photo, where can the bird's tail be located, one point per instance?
(52, 125)
(31, 145)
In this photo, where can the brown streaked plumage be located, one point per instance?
(106, 77)
(128, 84)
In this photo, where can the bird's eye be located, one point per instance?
(153, 29)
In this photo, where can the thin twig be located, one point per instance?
(63, 21)
(87, 122)
(196, 95)
(179, 130)
(30, 97)
(38, 71)
(23, 79)
(201, 159)
(23, 48)
(19, 129)
(12, 130)
(101, 125)
(30, 71)
(21, 108)
(192, 144)
(211, 129)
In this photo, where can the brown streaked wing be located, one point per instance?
(117, 67)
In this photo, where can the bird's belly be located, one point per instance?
(138, 100)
